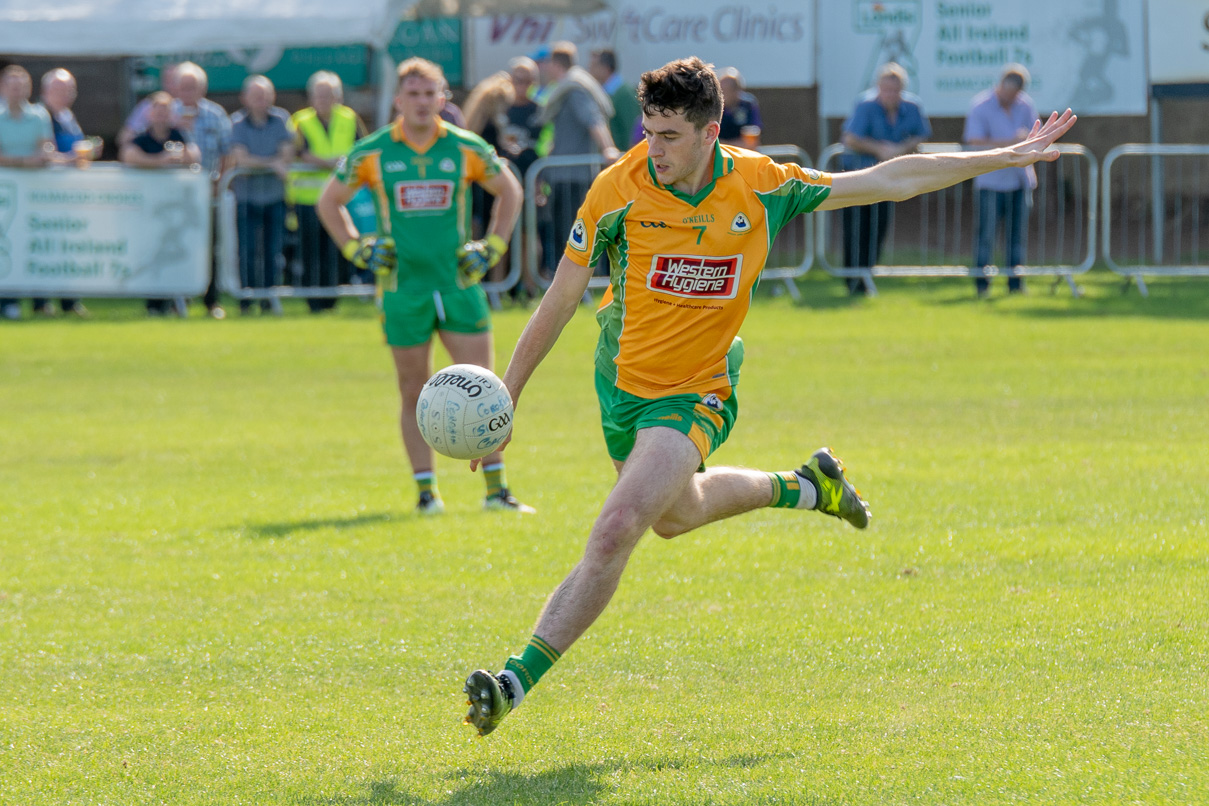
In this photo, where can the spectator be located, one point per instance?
(603, 67)
(579, 109)
(26, 138)
(450, 112)
(160, 145)
(487, 116)
(261, 137)
(58, 94)
(209, 127)
(1001, 116)
(326, 130)
(741, 122)
(136, 121)
(886, 122)
(518, 140)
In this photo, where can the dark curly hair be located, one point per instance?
(687, 85)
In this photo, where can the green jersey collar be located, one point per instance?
(723, 164)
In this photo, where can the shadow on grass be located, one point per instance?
(572, 784)
(263, 531)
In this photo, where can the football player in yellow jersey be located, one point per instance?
(685, 223)
(419, 170)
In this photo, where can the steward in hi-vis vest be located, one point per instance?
(328, 141)
(326, 132)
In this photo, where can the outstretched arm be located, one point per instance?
(910, 175)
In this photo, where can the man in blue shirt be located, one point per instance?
(262, 137)
(26, 139)
(997, 117)
(887, 122)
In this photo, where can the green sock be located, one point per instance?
(427, 482)
(534, 662)
(494, 476)
(787, 489)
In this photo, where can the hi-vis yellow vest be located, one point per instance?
(334, 141)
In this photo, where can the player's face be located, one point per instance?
(419, 100)
(680, 152)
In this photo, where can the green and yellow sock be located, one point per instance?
(791, 491)
(534, 662)
(494, 476)
(427, 482)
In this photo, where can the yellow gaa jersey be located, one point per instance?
(682, 269)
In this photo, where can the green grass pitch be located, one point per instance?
(213, 589)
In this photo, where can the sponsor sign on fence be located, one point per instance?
(104, 231)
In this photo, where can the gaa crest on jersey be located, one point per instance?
(712, 401)
(695, 276)
(740, 224)
(447, 165)
(413, 197)
(578, 240)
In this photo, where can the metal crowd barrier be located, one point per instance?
(1155, 219)
(533, 245)
(933, 235)
(227, 268)
(229, 281)
(796, 238)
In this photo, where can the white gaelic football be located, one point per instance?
(464, 412)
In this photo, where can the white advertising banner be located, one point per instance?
(771, 44)
(104, 231)
(1179, 41)
(1089, 55)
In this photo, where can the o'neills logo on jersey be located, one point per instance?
(412, 196)
(696, 276)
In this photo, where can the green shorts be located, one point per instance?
(410, 317)
(706, 419)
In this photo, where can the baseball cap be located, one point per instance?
(541, 54)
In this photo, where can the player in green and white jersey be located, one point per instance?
(419, 170)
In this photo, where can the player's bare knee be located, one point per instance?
(615, 531)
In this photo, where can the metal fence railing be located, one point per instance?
(1149, 216)
(289, 285)
(1155, 202)
(933, 235)
(792, 252)
(537, 217)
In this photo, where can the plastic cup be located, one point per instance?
(82, 150)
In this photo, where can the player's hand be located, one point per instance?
(474, 463)
(476, 257)
(373, 252)
(1036, 147)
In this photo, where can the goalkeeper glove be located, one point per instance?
(373, 252)
(476, 257)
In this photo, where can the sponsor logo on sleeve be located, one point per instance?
(578, 239)
(695, 276)
(418, 196)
